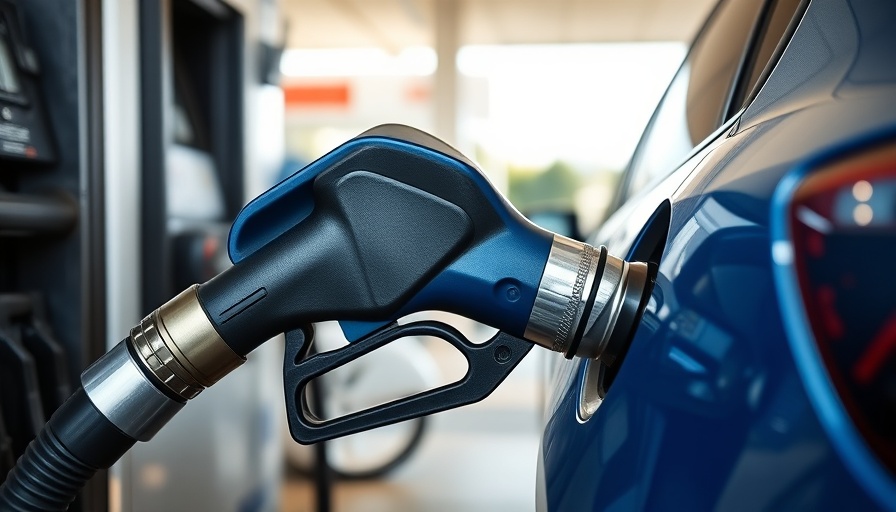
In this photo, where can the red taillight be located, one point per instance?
(843, 228)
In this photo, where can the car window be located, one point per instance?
(697, 99)
(780, 20)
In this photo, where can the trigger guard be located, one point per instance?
(489, 364)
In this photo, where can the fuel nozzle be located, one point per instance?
(395, 222)
(390, 223)
(587, 301)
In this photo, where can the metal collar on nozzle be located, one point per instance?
(587, 301)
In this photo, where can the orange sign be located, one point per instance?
(331, 95)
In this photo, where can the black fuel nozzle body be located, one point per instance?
(391, 222)
(394, 222)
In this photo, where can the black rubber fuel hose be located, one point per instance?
(76, 443)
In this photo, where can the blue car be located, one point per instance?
(762, 375)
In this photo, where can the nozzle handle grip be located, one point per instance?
(390, 223)
(489, 364)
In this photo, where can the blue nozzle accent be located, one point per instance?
(494, 281)
(354, 331)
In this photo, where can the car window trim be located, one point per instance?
(747, 57)
(795, 21)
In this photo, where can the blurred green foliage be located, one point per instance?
(553, 188)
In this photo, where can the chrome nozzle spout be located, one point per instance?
(588, 301)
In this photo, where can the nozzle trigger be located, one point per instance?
(489, 364)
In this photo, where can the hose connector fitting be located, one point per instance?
(179, 345)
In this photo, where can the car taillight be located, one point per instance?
(839, 244)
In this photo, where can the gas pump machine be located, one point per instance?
(390, 223)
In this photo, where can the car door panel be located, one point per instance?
(707, 394)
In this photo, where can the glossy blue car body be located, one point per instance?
(721, 402)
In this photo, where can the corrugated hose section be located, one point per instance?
(46, 478)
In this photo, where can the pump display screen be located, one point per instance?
(9, 79)
(24, 136)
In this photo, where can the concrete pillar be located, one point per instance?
(447, 25)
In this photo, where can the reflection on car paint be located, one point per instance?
(703, 377)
